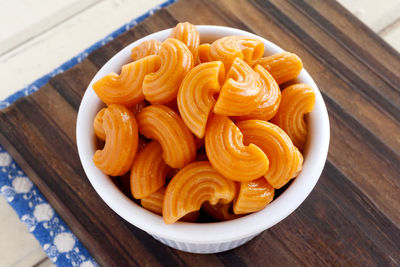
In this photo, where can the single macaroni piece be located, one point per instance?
(188, 34)
(242, 91)
(203, 53)
(270, 101)
(120, 148)
(220, 211)
(154, 201)
(191, 187)
(166, 126)
(126, 88)
(144, 49)
(228, 48)
(285, 160)
(282, 66)
(162, 86)
(98, 125)
(227, 153)
(297, 100)
(253, 196)
(148, 171)
(196, 95)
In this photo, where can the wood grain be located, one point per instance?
(353, 215)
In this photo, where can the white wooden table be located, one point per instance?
(36, 36)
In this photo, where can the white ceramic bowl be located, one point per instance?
(206, 237)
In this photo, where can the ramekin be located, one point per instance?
(203, 237)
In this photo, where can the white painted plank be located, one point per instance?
(376, 14)
(45, 52)
(17, 246)
(23, 20)
(393, 37)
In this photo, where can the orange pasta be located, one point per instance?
(285, 160)
(196, 95)
(144, 49)
(242, 91)
(154, 203)
(270, 101)
(120, 148)
(227, 153)
(196, 183)
(203, 53)
(297, 100)
(164, 125)
(220, 211)
(188, 34)
(148, 171)
(98, 125)
(126, 88)
(228, 48)
(282, 66)
(253, 196)
(162, 86)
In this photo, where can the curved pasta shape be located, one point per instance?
(149, 171)
(253, 196)
(162, 86)
(144, 49)
(98, 125)
(191, 187)
(188, 34)
(220, 211)
(282, 66)
(203, 53)
(196, 95)
(228, 48)
(229, 156)
(126, 88)
(154, 201)
(164, 125)
(271, 98)
(120, 148)
(242, 91)
(285, 161)
(297, 100)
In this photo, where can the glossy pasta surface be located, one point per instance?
(148, 171)
(228, 48)
(188, 34)
(167, 127)
(271, 98)
(126, 88)
(196, 95)
(161, 87)
(242, 91)
(253, 196)
(144, 49)
(282, 66)
(191, 187)
(120, 148)
(285, 161)
(98, 125)
(297, 101)
(227, 153)
(203, 53)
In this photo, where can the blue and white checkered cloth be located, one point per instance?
(56, 239)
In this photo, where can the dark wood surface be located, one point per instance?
(352, 217)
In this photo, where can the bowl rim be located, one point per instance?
(203, 233)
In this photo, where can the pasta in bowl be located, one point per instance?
(214, 113)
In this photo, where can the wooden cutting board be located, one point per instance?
(352, 217)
